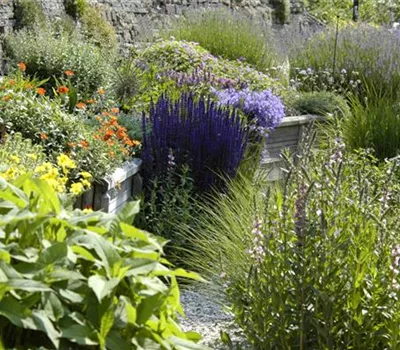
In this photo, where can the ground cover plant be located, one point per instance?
(82, 279)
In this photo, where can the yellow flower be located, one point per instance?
(65, 162)
(15, 159)
(32, 156)
(10, 174)
(86, 175)
(77, 188)
(43, 168)
(86, 183)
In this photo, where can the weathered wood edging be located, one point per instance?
(287, 135)
(115, 190)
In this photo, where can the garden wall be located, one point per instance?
(128, 15)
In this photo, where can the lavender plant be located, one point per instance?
(210, 139)
(372, 52)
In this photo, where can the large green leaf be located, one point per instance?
(102, 286)
(80, 334)
(44, 324)
(115, 342)
(104, 249)
(182, 344)
(106, 323)
(53, 254)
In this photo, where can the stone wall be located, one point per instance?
(126, 15)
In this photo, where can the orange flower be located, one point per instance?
(113, 121)
(71, 144)
(84, 144)
(28, 86)
(43, 136)
(22, 66)
(40, 91)
(69, 73)
(12, 82)
(111, 154)
(108, 135)
(81, 105)
(115, 110)
(121, 133)
(101, 91)
(91, 101)
(62, 89)
(7, 98)
(135, 143)
(105, 113)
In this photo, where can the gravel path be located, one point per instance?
(205, 316)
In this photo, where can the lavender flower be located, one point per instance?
(263, 109)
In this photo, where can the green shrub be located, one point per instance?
(82, 280)
(95, 27)
(48, 56)
(374, 123)
(168, 202)
(369, 54)
(29, 14)
(321, 103)
(282, 10)
(228, 34)
(311, 263)
(179, 66)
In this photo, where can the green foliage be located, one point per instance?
(230, 35)
(48, 55)
(29, 14)
(282, 10)
(321, 103)
(95, 27)
(168, 202)
(374, 123)
(308, 263)
(75, 8)
(83, 280)
(378, 12)
(364, 53)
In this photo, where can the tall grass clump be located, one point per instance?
(228, 34)
(371, 53)
(310, 263)
(374, 123)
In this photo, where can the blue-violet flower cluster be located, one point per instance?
(263, 109)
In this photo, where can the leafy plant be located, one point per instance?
(209, 139)
(168, 202)
(29, 14)
(49, 55)
(311, 262)
(230, 35)
(321, 103)
(83, 280)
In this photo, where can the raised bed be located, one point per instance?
(287, 135)
(113, 191)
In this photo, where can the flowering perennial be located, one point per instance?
(263, 109)
(210, 139)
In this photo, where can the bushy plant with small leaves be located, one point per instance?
(311, 262)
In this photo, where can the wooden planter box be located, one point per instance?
(287, 135)
(113, 191)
